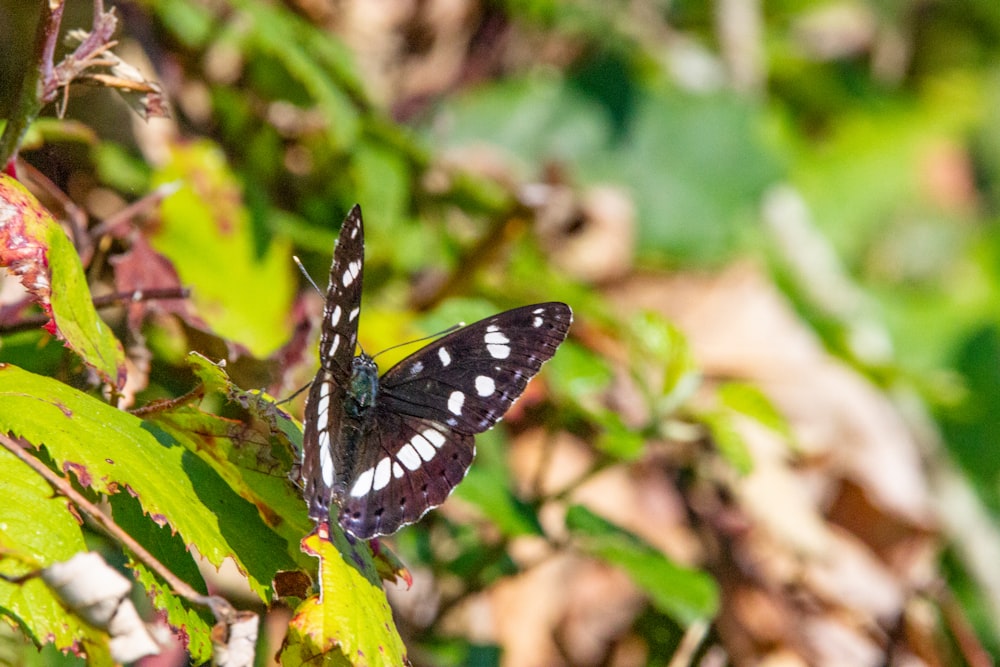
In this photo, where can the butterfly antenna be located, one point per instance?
(454, 327)
(296, 393)
(312, 282)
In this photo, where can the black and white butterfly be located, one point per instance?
(384, 450)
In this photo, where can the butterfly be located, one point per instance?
(379, 452)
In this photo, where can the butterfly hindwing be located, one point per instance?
(419, 463)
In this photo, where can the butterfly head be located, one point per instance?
(363, 386)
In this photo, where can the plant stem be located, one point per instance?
(29, 102)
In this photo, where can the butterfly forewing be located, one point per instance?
(343, 299)
(388, 449)
(338, 337)
(468, 379)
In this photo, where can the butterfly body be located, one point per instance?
(385, 450)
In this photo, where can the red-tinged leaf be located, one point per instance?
(142, 268)
(350, 621)
(37, 250)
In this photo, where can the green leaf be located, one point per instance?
(168, 548)
(36, 530)
(108, 450)
(350, 621)
(617, 439)
(749, 400)
(728, 440)
(244, 294)
(33, 246)
(659, 345)
(580, 376)
(684, 594)
(252, 454)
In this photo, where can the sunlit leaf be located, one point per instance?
(749, 400)
(728, 440)
(350, 621)
(661, 355)
(108, 450)
(36, 530)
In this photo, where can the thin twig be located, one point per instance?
(220, 607)
(111, 224)
(104, 301)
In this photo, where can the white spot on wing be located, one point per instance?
(397, 470)
(325, 460)
(364, 484)
(435, 437)
(495, 338)
(498, 351)
(455, 402)
(538, 311)
(537, 322)
(444, 356)
(408, 456)
(423, 446)
(417, 368)
(485, 386)
(351, 274)
(335, 316)
(383, 473)
(334, 344)
(322, 412)
(353, 315)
